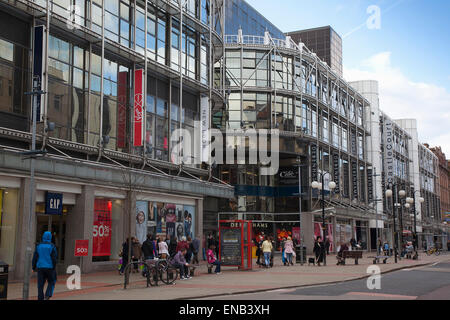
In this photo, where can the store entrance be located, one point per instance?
(56, 224)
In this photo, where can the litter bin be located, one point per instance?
(297, 254)
(3, 280)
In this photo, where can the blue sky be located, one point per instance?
(412, 46)
(417, 32)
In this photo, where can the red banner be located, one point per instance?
(122, 109)
(138, 107)
(101, 243)
(81, 248)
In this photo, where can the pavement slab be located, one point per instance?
(109, 285)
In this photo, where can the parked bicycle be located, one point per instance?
(436, 251)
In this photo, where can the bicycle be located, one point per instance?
(167, 272)
(433, 250)
(140, 268)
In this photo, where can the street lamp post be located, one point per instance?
(331, 186)
(402, 194)
(413, 202)
(389, 194)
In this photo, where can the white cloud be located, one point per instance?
(402, 98)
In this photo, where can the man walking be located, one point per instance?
(44, 261)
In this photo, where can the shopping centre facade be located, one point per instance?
(105, 127)
(112, 103)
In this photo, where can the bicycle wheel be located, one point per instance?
(152, 277)
(169, 276)
(437, 252)
(428, 252)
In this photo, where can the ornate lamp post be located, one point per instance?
(389, 194)
(413, 202)
(319, 186)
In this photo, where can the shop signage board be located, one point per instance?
(138, 120)
(389, 151)
(81, 248)
(313, 162)
(355, 179)
(370, 184)
(53, 203)
(204, 104)
(336, 177)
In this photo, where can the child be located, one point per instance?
(212, 259)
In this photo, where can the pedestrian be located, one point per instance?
(210, 240)
(148, 248)
(180, 262)
(190, 249)
(386, 249)
(173, 246)
(182, 244)
(44, 262)
(327, 245)
(195, 250)
(163, 249)
(259, 250)
(272, 252)
(379, 246)
(125, 254)
(283, 253)
(212, 259)
(353, 243)
(216, 243)
(267, 251)
(289, 251)
(343, 247)
(137, 252)
(319, 250)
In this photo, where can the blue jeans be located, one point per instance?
(48, 275)
(217, 264)
(267, 258)
(289, 257)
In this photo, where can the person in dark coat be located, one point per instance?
(327, 246)
(44, 262)
(173, 246)
(125, 255)
(148, 248)
(319, 250)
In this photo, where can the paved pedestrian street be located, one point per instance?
(283, 282)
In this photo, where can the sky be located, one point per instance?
(407, 50)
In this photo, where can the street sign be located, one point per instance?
(81, 248)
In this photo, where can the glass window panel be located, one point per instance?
(124, 11)
(112, 6)
(6, 50)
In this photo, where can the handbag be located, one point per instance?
(294, 254)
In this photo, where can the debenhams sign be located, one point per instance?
(389, 150)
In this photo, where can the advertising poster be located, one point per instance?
(318, 230)
(102, 228)
(179, 230)
(188, 221)
(230, 247)
(141, 220)
(296, 234)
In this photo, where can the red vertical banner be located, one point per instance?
(330, 236)
(122, 109)
(101, 233)
(138, 120)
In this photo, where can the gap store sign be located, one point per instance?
(53, 203)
